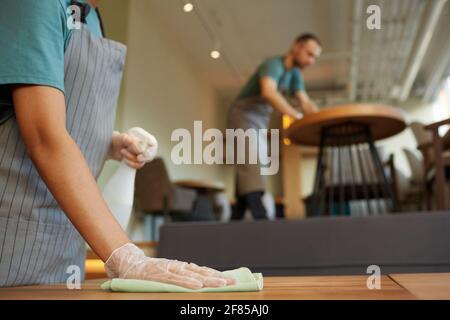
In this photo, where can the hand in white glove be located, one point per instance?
(130, 262)
(129, 149)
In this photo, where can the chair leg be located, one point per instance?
(427, 187)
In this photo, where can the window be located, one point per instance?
(441, 106)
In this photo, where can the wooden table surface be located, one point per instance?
(400, 286)
(384, 121)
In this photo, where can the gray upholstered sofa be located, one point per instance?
(398, 243)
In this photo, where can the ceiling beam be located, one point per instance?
(429, 20)
(355, 53)
(438, 73)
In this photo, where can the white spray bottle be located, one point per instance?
(119, 190)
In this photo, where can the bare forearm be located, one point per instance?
(63, 168)
(308, 106)
(281, 104)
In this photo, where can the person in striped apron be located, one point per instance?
(276, 82)
(58, 92)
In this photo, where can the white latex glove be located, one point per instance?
(130, 262)
(126, 147)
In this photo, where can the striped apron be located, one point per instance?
(37, 241)
(250, 113)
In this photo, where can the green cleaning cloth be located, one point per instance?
(246, 281)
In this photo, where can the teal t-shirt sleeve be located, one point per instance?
(297, 81)
(32, 38)
(271, 68)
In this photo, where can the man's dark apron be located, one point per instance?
(37, 241)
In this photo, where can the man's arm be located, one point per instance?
(308, 106)
(41, 116)
(270, 92)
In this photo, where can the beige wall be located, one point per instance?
(161, 91)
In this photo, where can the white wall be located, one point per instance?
(162, 92)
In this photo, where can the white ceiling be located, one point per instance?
(251, 30)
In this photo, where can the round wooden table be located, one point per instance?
(383, 121)
(349, 167)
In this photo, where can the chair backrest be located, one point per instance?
(415, 164)
(422, 135)
(152, 187)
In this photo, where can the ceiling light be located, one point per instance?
(188, 7)
(215, 54)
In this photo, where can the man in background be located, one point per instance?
(275, 82)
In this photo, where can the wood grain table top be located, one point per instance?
(383, 121)
(393, 287)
